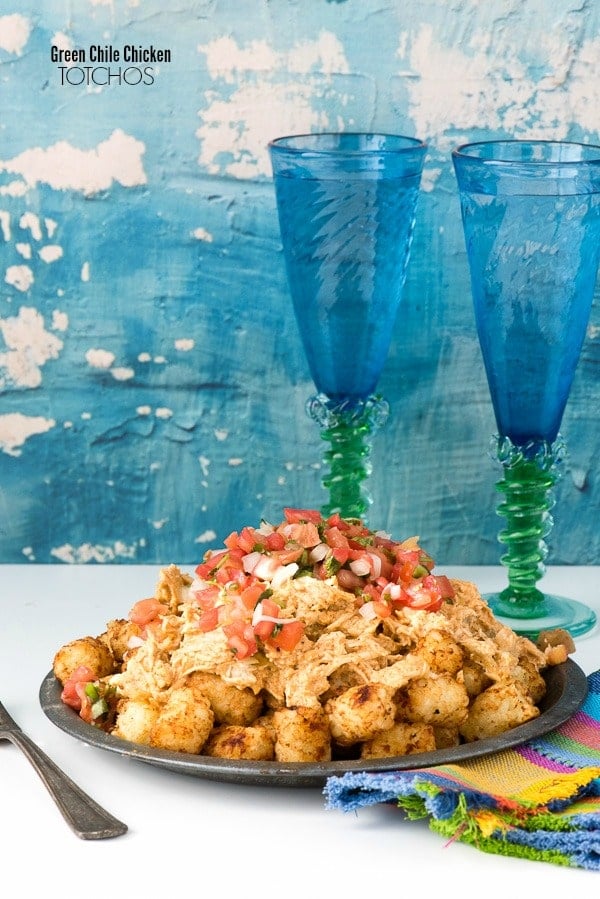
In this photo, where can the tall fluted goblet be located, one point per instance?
(346, 205)
(531, 219)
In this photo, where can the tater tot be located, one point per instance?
(302, 735)
(184, 722)
(360, 713)
(90, 652)
(400, 739)
(119, 632)
(441, 652)
(437, 701)
(135, 720)
(499, 708)
(230, 704)
(231, 741)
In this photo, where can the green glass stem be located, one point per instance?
(530, 473)
(348, 428)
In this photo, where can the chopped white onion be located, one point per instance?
(134, 642)
(376, 564)
(266, 567)
(368, 611)
(360, 567)
(284, 574)
(318, 552)
(393, 590)
(250, 561)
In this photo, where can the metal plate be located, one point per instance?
(566, 689)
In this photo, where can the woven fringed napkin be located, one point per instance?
(539, 801)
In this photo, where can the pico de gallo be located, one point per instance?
(236, 587)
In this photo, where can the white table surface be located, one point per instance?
(192, 837)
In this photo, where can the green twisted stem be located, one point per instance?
(348, 428)
(530, 473)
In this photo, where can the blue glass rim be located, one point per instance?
(345, 143)
(535, 153)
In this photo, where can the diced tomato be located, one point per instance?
(248, 539)
(287, 555)
(383, 609)
(305, 534)
(288, 637)
(207, 597)
(210, 564)
(274, 541)
(240, 638)
(339, 543)
(446, 588)
(70, 695)
(298, 515)
(146, 610)
(209, 619)
(251, 594)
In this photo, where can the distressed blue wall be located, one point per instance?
(152, 384)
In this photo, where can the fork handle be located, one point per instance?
(84, 816)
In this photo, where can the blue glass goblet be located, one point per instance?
(531, 219)
(346, 205)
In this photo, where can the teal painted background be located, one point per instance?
(152, 384)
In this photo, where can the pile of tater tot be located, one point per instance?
(307, 665)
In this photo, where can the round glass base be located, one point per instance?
(559, 612)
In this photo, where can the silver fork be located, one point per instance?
(83, 815)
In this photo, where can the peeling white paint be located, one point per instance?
(50, 253)
(85, 272)
(122, 373)
(144, 410)
(30, 221)
(14, 33)
(221, 433)
(276, 102)
(144, 357)
(184, 344)
(19, 276)
(163, 413)
(88, 552)
(99, 358)
(118, 159)
(51, 226)
(157, 525)
(206, 537)
(28, 347)
(204, 465)
(16, 428)
(5, 224)
(202, 234)
(60, 320)
(455, 88)
(234, 462)
(24, 250)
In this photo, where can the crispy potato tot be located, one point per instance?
(302, 735)
(184, 722)
(475, 678)
(441, 652)
(498, 709)
(439, 701)
(230, 704)
(117, 636)
(360, 713)
(135, 720)
(232, 741)
(446, 737)
(90, 652)
(400, 739)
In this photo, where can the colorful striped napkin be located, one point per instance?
(539, 801)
